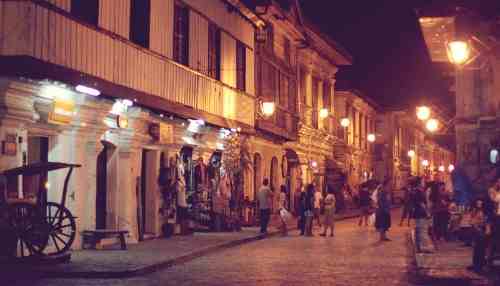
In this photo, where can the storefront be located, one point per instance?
(124, 150)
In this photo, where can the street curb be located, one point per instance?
(38, 273)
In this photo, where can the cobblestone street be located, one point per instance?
(352, 257)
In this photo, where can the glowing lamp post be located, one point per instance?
(344, 122)
(423, 113)
(411, 153)
(458, 52)
(323, 113)
(432, 125)
(267, 108)
(451, 168)
(371, 137)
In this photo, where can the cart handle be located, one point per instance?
(65, 188)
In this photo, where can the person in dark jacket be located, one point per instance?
(407, 205)
(383, 213)
(440, 214)
(364, 204)
(307, 206)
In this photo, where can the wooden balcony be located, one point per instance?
(40, 41)
(283, 124)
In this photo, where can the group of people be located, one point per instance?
(312, 207)
(438, 216)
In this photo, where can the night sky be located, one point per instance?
(391, 63)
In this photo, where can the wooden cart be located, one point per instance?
(36, 227)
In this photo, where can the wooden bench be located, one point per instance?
(94, 236)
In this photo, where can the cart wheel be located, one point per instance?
(29, 229)
(61, 228)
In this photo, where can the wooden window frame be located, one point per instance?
(181, 34)
(241, 65)
(139, 36)
(214, 51)
(80, 9)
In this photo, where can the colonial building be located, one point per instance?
(122, 87)
(475, 81)
(358, 135)
(295, 70)
(404, 148)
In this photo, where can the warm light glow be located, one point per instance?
(314, 164)
(323, 113)
(122, 122)
(432, 125)
(411, 153)
(371, 137)
(458, 52)
(127, 102)
(451, 168)
(87, 90)
(423, 112)
(425, 163)
(47, 185)
(441, 168)
(345, 122)
(53, 91)
(267, 108)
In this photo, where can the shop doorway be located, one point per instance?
(38, 152)
(106, 205)
(147, 200)
(257, 174)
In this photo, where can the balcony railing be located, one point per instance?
(282, 123)
(38, 30)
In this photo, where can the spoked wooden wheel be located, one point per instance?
(61, 228)
(29, 228)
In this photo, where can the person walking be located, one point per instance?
(283, 212)
(308, 207)
(318, 200)
(329, 204)
(440, 214)
(383, 213)
(364, 204)
(265, 197)
(407, 205)
(420, 214)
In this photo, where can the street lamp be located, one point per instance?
(458, 51)
(371, 137)
(451, 168)
(344, 122)
(432, 125)
(411, 153)
(266, 108)
(323, 113)
(423, 113)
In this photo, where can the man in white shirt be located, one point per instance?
(318, 198)
(264, 198)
